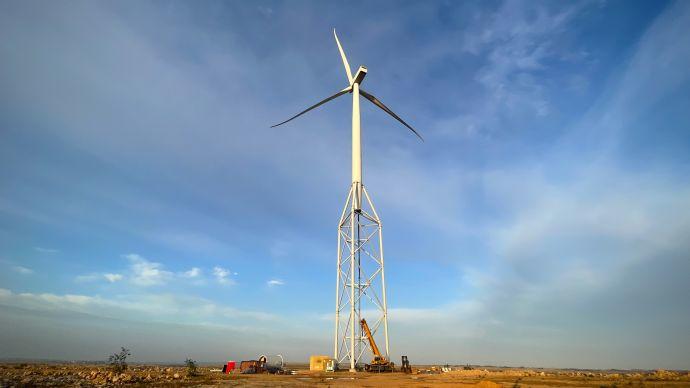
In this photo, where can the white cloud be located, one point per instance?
(147, 273)
(23, 270)
(192, 273)
(275, 282)
(143, 272)
(113, 277)
(222, 274)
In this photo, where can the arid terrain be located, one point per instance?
(85, 375)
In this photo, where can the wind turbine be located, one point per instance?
(358, 230)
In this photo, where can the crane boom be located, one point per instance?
(379, 363)
(372, 343)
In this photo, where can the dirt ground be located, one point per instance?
(82, 375)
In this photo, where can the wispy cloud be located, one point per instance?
(45, 250)
(164, 307)
(23, 270)
(92, 277)
(88, 277)
(266, 12)
(519, 44)
(189, 241)
(275, 282)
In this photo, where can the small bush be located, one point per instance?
(192, 369)
(118, 361)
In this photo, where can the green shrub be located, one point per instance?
(118, 361)
(192, 369)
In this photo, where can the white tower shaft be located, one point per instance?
(356, 147)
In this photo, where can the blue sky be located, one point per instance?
(145, 202)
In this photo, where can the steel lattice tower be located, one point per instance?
(360, 273)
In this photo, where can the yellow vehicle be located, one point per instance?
(379, 363)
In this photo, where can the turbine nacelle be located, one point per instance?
(359, 77)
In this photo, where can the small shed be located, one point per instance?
(318, 363)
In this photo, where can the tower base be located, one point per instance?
(360, 280)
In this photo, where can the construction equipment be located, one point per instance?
(379, 363)
(229, 367)
(274, 364)
(405, 367)
(253, 366)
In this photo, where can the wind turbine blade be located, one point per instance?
(378, 103)
(340, 93)
(342, 55)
